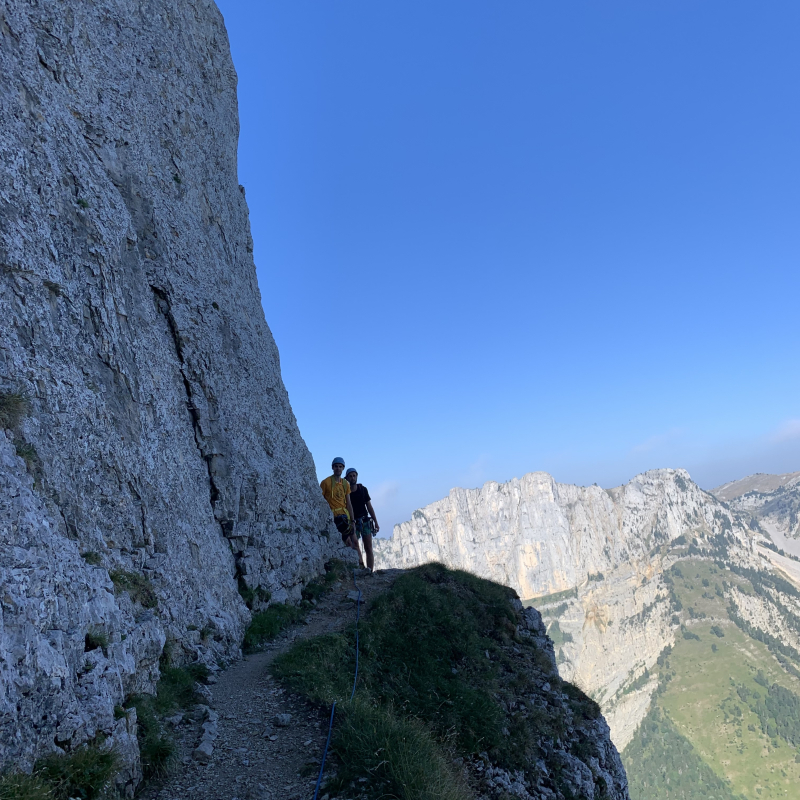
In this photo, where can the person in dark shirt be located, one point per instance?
(364, 513)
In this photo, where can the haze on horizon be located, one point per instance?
(496, 238)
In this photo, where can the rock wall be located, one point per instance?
(589, 558)
(147, 428)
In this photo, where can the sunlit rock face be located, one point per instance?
(157, 437)
(772, 502)
(589, 558)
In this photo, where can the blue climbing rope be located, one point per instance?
(325, 754)
(352, 695)
(358, 616)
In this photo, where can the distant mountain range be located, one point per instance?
(677, 609)
(773, 503)
(760, 483)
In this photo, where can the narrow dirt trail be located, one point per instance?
(257, 756)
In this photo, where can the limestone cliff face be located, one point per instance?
(541, 537)
(591, 557)
(157, 438)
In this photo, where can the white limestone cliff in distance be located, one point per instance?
(599, 551)
(541, 537)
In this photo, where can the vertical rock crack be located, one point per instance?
(165, 309)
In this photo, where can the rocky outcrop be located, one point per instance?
(150, 459)
(590, 559)
(771, 503)
(541, 537)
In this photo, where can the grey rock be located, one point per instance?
(356, 597)
(203, 752)
(282, 720)
(205, 693)
(159, 434)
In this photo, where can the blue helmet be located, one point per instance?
(351, 470)
(337, 460)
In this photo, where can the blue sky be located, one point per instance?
(500, 237)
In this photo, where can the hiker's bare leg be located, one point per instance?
(368, 551)
(353, 542)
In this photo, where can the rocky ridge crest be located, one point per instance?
(772, 503)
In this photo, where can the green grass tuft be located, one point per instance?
(85, 773)
(137, 586)
(267, 624)
(253, 596)
(321, 668)
(198, 671)
(582, 705)
(429, 621)
(13, 407)
(156, 750)
(27, 452)
(175, 691)
(92, 558)
(95, 639)
(400, 755)
(18, 786)
(335, 570)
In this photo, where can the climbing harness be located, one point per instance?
(352, 694)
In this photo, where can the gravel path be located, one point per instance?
(259, 753)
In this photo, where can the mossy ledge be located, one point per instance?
(458, 696)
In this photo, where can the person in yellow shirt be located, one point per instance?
(336, 490)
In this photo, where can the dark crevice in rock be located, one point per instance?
(147, 540)
(164, 307)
